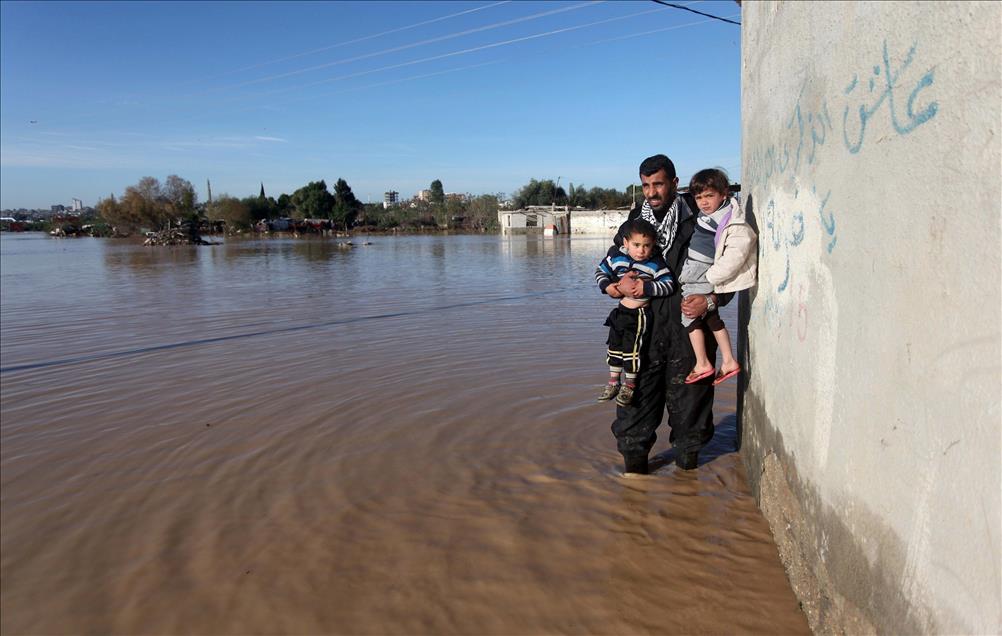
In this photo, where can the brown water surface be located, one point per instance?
(294, 436)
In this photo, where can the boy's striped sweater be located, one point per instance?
(658, 280)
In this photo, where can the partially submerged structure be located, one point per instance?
(551, 220)
(535, 218)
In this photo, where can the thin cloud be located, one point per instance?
(229, 143)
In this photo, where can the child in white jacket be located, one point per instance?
(722, 258)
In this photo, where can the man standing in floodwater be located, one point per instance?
(669, 356)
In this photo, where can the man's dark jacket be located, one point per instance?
(668, 359)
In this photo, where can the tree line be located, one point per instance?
(154, 205)
(150, 204)
(547, 192)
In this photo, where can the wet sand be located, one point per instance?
(291, 437)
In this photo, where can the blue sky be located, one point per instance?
(387, 95)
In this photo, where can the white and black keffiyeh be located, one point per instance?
(666, 227)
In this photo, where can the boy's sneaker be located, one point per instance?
(609, 392)
(625, 397)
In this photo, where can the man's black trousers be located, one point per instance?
(661, 386)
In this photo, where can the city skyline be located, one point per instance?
(483, 96)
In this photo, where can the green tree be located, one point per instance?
(373, 214)
(283, 205)
(179, 202)
(455, 211)
(258, 208)
(544, 192)
(312, 201)
(180, 196)
(150, 204)
(116, 215)
(143, 204)
(578, 197)
(346, 206)
(482, 213)
(635, 192)
(231, 210)
(437, 192)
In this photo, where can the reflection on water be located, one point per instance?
(298, 436)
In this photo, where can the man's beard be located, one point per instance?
(665, 203)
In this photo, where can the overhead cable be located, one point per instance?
(403, 47)
(708, 15)
(454, 53)
(369, 37)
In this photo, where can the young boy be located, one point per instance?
(633, 273)
(722, 258)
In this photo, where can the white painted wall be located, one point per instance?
(871, 158)
(511, 220)
(597, 221)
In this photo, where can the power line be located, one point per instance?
(678, 6)
(362, 39)
(448, 55)
(455, 53)
(444, 55)
(403, 47)
(643, 33)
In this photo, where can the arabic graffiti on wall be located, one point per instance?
(894, 91)
(812, 127)
(888, 83)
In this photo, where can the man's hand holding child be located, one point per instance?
(631, 286)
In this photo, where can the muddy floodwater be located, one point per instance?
(295, 436)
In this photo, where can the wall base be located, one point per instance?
(840, 589)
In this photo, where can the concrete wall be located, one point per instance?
(871, 406)
(511, 220)
(535, 219)
(597, 221)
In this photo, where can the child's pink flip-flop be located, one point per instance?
(692, 379)
(726, 376)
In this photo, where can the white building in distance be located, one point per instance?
(390, 198)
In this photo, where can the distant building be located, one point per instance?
(424, 195)
(77, 205)
(58, 208)
(552, 220)
(390, 198)
(604, 222)
(546, 219)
